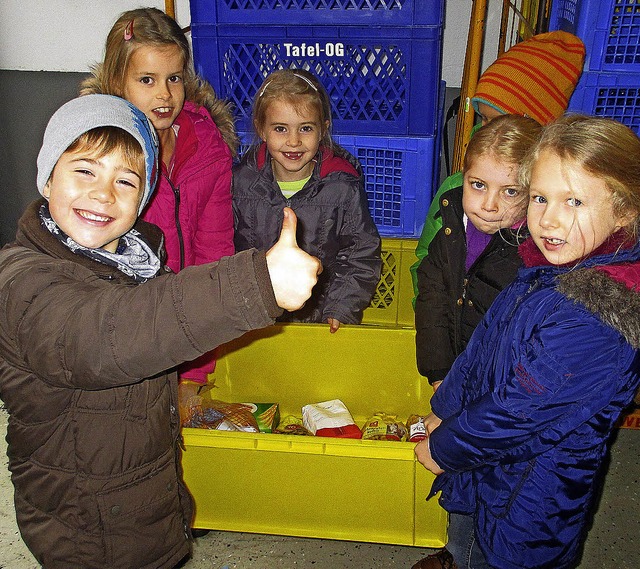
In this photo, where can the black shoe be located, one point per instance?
(196, 533)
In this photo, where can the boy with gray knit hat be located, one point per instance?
(91, 328)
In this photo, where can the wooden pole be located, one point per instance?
(170, 8)
(470, 76)
(504, 23)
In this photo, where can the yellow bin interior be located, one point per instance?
(321, 487)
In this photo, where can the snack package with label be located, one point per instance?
(330, 419)
(292, 425)
(416, 428)
(384, 427)
(267, 415)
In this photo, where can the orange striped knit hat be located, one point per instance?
(534, 78)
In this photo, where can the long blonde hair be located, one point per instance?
(151, 26)
(601, 146)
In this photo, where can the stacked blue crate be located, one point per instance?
(610, 30)
(319, 12)
(380, 62)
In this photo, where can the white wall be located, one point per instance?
(63, 35)
(458, 13)
(69, 35)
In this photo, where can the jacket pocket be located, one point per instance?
(143, 521)
(502, 488)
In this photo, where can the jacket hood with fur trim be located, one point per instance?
(615, 302)
(606, 283)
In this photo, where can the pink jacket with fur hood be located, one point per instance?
(192, 203)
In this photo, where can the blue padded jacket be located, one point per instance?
(529, 406)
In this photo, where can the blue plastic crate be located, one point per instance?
(400, 178)
(563, 16)
(381, 80)
(610, 30)
(305, 12)
(612, 95)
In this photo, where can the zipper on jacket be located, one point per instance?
(176, 194)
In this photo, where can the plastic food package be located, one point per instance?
(384, 427)
(292, 425)
(219, 415)
(238, 416)
(196, 417)
(330, 419)
(267, 415)
(416, 429)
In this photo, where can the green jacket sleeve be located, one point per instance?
(432, 224)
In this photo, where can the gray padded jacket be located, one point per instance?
(334, 224)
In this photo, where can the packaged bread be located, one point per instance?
(238, 416)
(195, 416)
(219, 415)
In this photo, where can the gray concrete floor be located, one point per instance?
(613, 542)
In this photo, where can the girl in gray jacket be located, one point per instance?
(298, 166)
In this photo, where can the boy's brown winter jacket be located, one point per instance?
(93, 434)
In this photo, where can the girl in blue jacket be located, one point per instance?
(521, 424)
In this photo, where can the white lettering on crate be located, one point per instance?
(314, 50)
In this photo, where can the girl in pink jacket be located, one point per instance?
(148, 62)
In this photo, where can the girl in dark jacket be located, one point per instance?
(297, 165)
(475, 254)
(91, 331)
(521, 425)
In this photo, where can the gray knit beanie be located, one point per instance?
(85, 113)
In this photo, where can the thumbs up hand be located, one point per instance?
(293, 272)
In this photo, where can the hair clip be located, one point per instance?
(263, 89)
(128, 31)
(308, 81)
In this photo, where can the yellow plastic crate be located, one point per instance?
(357, 490)
(391, 304)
